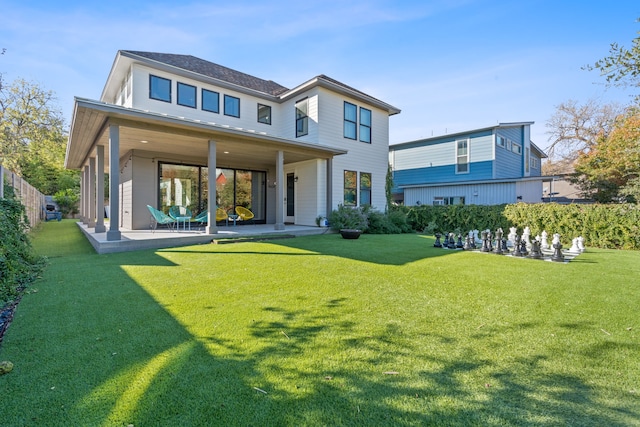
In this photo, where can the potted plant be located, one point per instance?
(350, 222)
(321, 221)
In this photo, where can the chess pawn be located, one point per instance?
(523, 248)
(467, 243)
(517, 251)
(581, 243)
(574, 245)
(505, 248)
(459, 244)
(557, 251)
(438, 244)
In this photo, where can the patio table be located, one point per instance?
(184, 220)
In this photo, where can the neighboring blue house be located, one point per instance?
(488, 166)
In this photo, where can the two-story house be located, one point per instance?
(488, 166)
(175, 130)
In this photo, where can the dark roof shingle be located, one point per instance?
(209, 69)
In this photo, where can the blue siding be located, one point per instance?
(508, 164)
(438, 174)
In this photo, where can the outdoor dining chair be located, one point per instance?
(159, 217)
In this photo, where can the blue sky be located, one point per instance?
(449, 65)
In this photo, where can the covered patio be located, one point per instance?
(134, 240)
(128, 144)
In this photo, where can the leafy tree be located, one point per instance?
(622, 67)
(388, 187)
(607, 167)
(32, 137)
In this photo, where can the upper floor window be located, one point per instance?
(516, 148)
(350, 188)
(159, 88)
(365, 125)
(350, 120)
(264, 114)
(302, 117)
(462, 156)
(231, 106)
(186, 95)
(533, 162)
(365, 188)
(501, 141)
(526, 163)
(210, 101)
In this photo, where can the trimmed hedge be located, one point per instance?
(602, 226)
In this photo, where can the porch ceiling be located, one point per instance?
(168, 136)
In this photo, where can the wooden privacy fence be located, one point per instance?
(32, 199)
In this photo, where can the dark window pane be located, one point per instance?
(210, 101)
(264, 114)
(186, 95)
(159, 88)
(231, 106)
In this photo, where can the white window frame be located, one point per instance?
(460, 156)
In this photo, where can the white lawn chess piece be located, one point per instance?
(574, 245)
(513, 232)
(581, 243)
(544, 243)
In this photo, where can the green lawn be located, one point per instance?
(383, 330)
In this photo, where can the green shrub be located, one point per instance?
(603, 226)
(352, 218)
(68, 201)
(19, 266)
(432, 219)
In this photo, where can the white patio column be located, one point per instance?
(100, 190)
(114, 183)
(92, 192)
(211, 185)
(329, 207)
(85, 195)
(279, 191)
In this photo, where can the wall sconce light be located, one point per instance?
(295, 179)
(519, 197)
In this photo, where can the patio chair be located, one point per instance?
(159, 217)
(50, 213)
(245, 214)
(221, 215)
(202, 218)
